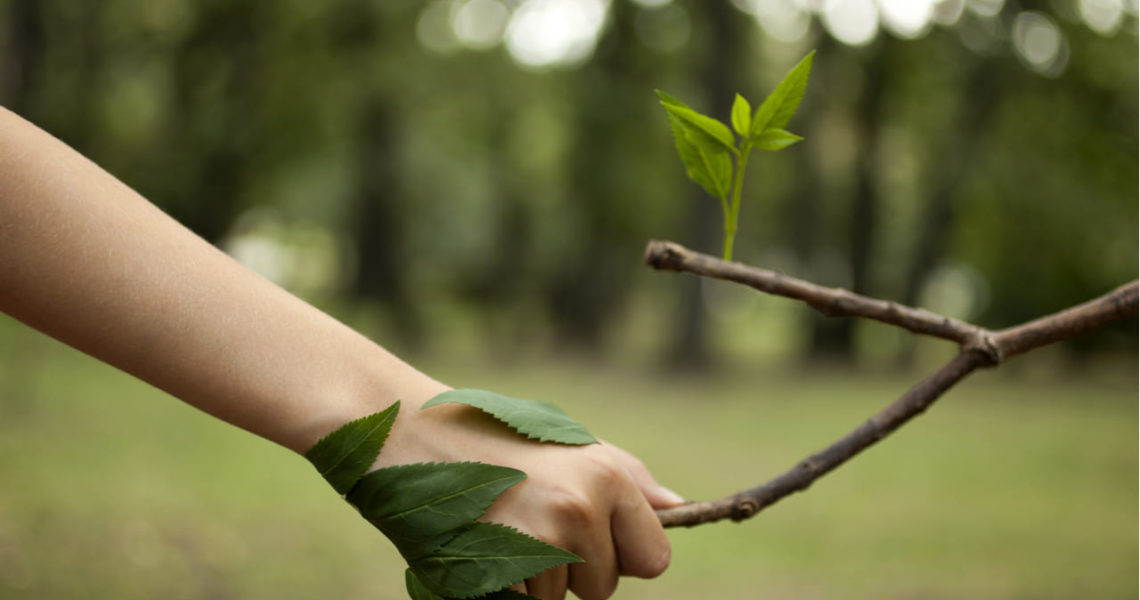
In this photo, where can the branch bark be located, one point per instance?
(980, 347)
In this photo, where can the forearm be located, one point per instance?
(87, 260)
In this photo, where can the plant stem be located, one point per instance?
(732, 215)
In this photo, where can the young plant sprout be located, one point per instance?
(708, 148)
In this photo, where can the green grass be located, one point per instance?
(1010, 487)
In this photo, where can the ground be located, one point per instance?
(1016, 485)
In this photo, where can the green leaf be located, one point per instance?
(540, 421)
(707, 164)
(782, 103)
(344, 455)
(416, 589)
(703, 130)
(741, 116)
(420, 502)
(486, 557)
(776, 139)
(506, 595)
(667, 99)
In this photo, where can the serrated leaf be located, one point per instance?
(707, 164)
(782, 103)
(418, 503)
(416, 589)
(540, 421)
(776, 139)
(484, 558)
(741, 116)
(506, 595)
(344, 455)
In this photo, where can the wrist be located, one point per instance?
(368, 383)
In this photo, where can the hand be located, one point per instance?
(596, 501)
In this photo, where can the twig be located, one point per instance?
(833, 302)
(980, 347)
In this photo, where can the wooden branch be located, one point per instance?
(833, 302)
(980, 347)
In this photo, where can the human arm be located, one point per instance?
(87, 260)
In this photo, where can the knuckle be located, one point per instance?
(607, 471)
(574, 508)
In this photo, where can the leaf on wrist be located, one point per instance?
(506, 595)
(344, 455)
(413, 504)
(416, 589)
(485, 558)
(540, 421)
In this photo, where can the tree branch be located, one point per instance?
(980, 347)
(833, 302)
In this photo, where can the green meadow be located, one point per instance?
(1019, 485)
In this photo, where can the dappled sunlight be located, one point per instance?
(853, 22)
(1040, 43)
(1105, 16)
(985, 8)
(479, 24)
(545, 34)
(947, 12)
(907, 18)
(551, 33)
(783, 20)
(434, 30)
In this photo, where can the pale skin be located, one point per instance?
(87, 260)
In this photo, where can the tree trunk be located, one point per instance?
(378, 226)
(981, 92)
(25, 51)
(593, 281)
(832, 339)
(690, 349)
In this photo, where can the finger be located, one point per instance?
(658, 495)
(549, 584)
(596, 578)
(641, 544)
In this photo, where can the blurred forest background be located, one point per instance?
(472, 183)
(495, 167)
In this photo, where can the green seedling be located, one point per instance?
(709, 150)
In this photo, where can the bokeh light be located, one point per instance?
(947, 12)
(907, 18)
(479, 24)
(553, 33)
(783, 20)
(985, 8)
(853, 22)
(1040, 43)
(434, 30)
(1103, 16)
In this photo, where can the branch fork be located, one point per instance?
(979, 347)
